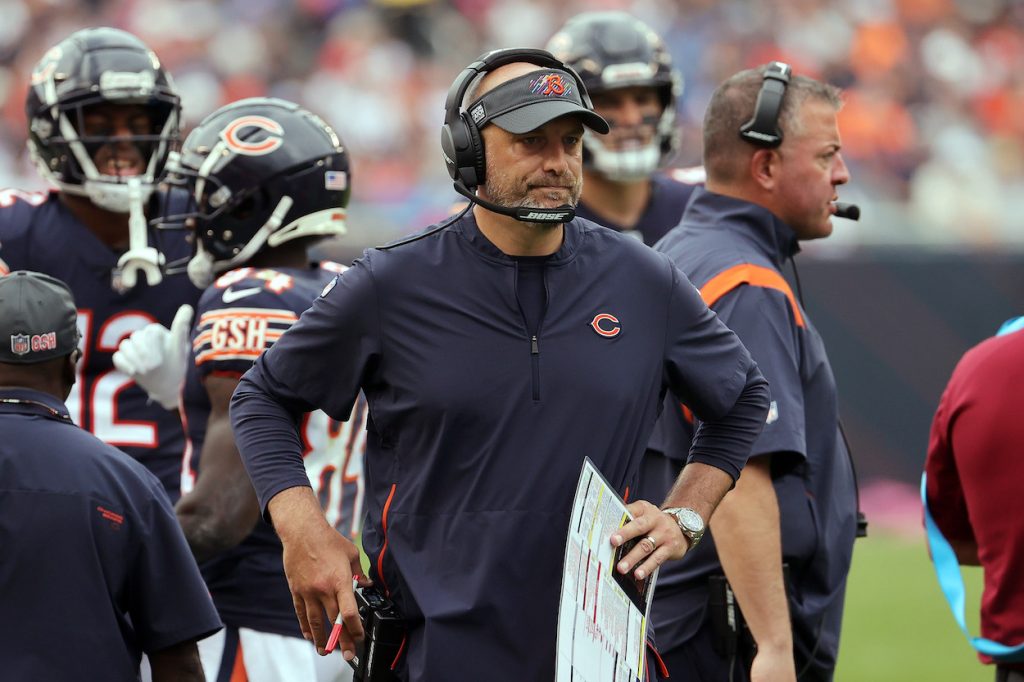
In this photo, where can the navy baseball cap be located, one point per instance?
(38, 320)
(529, 101)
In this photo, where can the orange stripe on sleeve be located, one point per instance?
(754, 275)
(235, 354)
(255, 313)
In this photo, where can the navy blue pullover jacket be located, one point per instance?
(477, 429)
(727, 240)
(94, 568)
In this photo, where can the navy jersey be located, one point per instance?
(94, 569)
(478, 429)
(734, 252)
(242, 314)
(37, 232)
(670, 193)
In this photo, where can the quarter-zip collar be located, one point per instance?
(756, 224)
(572, 239)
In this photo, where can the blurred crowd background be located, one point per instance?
(933, 126)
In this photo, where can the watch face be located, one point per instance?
(691, 520)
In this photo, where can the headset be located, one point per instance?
(463, 147)
(762, 130)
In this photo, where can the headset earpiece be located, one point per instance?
(463, 150)
(477, 152)
(763, 128)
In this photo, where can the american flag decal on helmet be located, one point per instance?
(336, 180)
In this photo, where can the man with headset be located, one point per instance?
(772, 155)
(630, 77)
(496, 350)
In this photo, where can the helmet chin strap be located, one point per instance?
(200, 267)
(140, 255)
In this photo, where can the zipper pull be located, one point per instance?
(534, 347)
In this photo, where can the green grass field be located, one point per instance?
(897, 625)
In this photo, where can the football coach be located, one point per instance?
(496, 350)
(94, 569)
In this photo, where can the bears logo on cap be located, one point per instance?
(551, 84)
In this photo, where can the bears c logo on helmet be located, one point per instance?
(232, 135)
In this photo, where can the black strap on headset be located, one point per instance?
(763, 128)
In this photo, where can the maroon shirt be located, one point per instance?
(976, 472)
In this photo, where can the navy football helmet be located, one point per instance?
(257, 173)
(612, 50)
(90, 68)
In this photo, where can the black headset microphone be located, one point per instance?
(463, 147)
(848, 211)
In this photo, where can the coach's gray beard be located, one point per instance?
(510, 194)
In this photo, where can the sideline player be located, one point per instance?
(266, 179)
(634, 86)
(103, 116)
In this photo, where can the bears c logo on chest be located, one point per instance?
(606, 325)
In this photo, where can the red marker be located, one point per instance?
(332, 641)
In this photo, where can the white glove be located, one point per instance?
(156, 357)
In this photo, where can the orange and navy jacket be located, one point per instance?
(478, 429)
(734, 252)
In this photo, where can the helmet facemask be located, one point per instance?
(65, 146)
(631, 162)
(248, 185)
(613, 50)
(85, 93)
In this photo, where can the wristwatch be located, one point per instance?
(689, 522)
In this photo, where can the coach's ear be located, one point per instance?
(765, 167)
